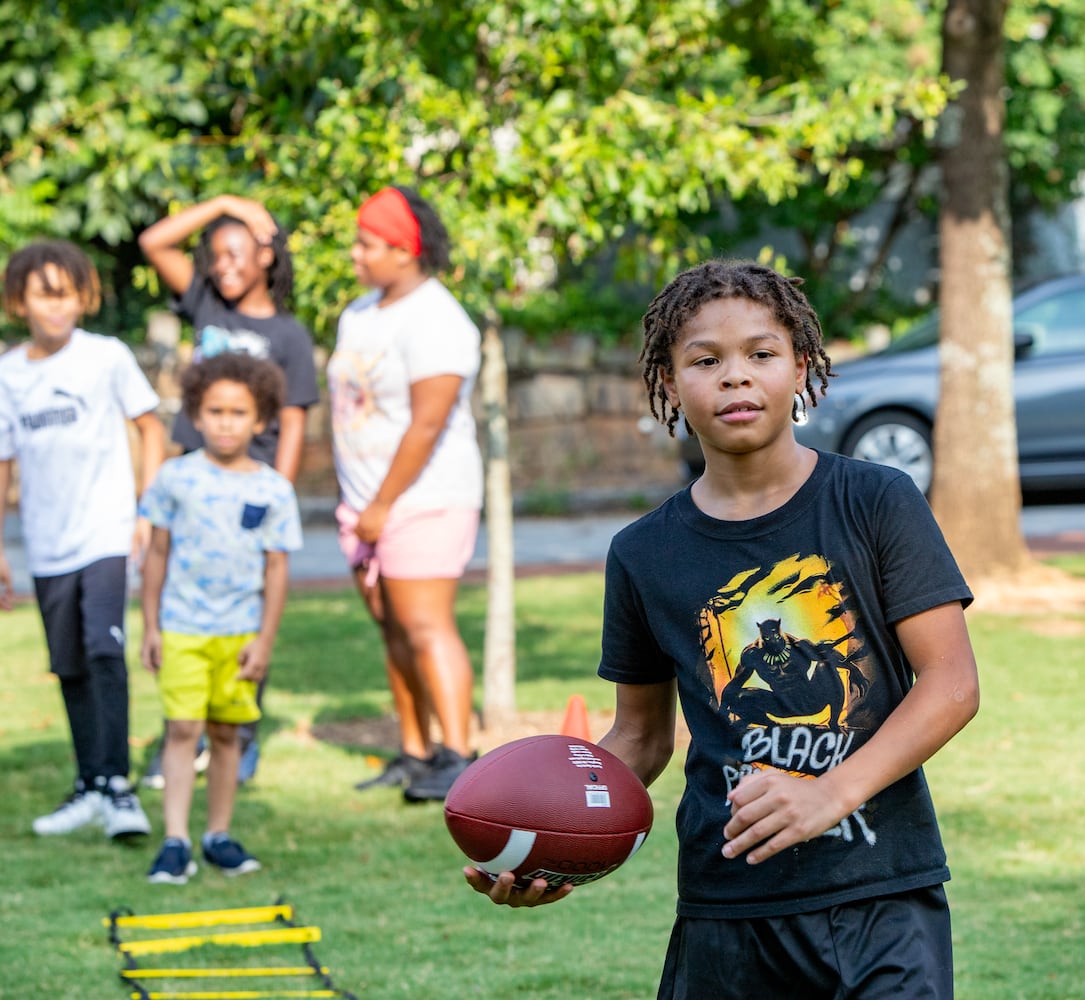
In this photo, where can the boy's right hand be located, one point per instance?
(151, 651)
(503, 891)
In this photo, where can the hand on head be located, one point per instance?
(256, 217)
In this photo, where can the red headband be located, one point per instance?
(389, 216)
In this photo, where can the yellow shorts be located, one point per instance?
(198, 679)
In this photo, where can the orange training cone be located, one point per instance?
(576, 719)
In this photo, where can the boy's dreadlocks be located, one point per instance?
(672, 308)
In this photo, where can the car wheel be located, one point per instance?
(897, 439)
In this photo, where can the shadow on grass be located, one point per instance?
(328, 679)
(368, 736)
(328, 644)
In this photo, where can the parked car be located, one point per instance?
(881, 407)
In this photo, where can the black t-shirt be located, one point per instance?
(279, 338)
(780, 633)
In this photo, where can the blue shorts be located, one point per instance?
(890, 946)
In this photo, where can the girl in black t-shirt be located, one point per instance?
(233, 289)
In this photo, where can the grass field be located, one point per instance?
(382, 880)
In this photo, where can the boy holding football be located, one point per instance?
(811, 620)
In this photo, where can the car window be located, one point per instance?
(1057, 325)
(923, 334)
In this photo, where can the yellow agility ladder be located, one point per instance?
(284, 931)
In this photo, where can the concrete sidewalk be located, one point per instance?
(554, 543)
(549, 544)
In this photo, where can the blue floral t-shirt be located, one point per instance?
(220, 523)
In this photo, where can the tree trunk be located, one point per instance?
(499, 657)
(976, 492)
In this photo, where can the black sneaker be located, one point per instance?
(399, 772)
(174, 864)
(447, 766)
(228, 856)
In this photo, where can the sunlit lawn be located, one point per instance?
(382, 880)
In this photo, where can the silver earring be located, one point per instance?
(798, 410)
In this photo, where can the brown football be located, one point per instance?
(551, 807)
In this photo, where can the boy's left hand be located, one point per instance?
(771, 811)
(253, 660)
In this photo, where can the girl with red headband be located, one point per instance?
(410, 476)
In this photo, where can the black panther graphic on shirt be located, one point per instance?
(799, 678)
(780, 633)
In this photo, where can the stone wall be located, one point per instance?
(579, 421)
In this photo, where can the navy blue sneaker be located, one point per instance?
(174, 864)
(227, 855)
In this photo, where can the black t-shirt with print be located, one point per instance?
(279, 338)
(780, 633)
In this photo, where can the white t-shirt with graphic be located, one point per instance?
(379, 354)
(63, 419)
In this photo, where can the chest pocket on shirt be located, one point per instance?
(252, 515)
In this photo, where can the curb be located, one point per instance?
(599, 500)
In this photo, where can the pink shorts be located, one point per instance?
(414, 545)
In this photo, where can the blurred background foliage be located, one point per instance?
(579, 152)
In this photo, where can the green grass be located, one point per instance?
(383, 881)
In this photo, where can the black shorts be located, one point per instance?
(890, 946)
(83, 614)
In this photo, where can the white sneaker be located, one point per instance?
(122, 815)
(81, 808)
